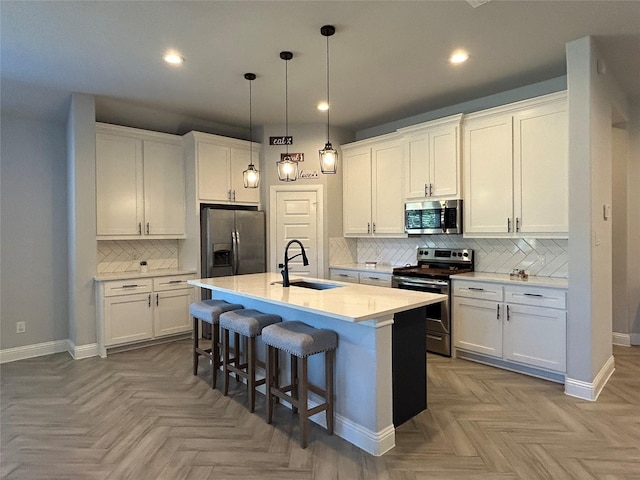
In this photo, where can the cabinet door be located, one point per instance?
(417, 166)
(128, 318)
(171, 314)
(343, 275)
(164, 189)
(444, 165)
(541, 163)
(119, 202)
(387, 204)
(477, 325)
(214, 166)
(357, 192)
(536, 336)
(240, 159)
(377, 279)
(488, 175)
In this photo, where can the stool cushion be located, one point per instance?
(247, 322)
(299, 339)
(210, 310)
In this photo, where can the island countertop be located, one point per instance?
(350, 302)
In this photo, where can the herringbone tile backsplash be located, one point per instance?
(547, 258)
(116, 256)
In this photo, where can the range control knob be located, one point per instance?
(466, 254)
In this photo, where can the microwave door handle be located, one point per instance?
(443, 217)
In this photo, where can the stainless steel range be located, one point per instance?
(431, 274)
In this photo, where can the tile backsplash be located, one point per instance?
(543, 257)
(125, 255)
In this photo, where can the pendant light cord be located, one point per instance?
(286, 102)
(250, 128)
(328, 104)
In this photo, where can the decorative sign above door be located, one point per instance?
(283, 140)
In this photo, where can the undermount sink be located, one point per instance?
(312, 285)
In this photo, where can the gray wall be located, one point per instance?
(33, 239)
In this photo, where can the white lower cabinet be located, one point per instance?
(519, 325)
(365, 278)
(140, 309)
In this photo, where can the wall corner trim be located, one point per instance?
(78, 352)
(590, 391)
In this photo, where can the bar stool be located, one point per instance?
(247, 324)
(209, 311)
(300, 341)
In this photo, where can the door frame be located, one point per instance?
(273, 217)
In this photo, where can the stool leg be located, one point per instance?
(195, 345)
(303, 411)
(251, 371)
(276, 368)
(215, 353)
(329, 360)
(270, 378)
(238, 358)
(294, 382)
(225, 360)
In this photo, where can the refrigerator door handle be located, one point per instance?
(235, 246)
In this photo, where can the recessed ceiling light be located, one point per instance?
(173, 58)
(323, 106)
(459, 56)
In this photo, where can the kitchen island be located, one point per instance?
(381, 356)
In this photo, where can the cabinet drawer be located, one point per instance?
(127, 287)
(480, 290)
(379, 279)
(174, 282)
(343, 275)
(539, 297)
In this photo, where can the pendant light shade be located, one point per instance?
(287, 168)
(328, 155)
(251, 176)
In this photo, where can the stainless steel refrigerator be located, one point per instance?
(233, 242)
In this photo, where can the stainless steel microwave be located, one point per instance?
(433, 217)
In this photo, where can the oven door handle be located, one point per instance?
(410, 283)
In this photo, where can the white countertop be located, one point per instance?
(505, 278)
(351, 302)
(363, 267)
(103, 277)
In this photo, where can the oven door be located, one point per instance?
(438, 321)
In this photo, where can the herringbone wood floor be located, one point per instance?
(142, 415)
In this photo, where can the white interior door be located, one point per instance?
(295, 215)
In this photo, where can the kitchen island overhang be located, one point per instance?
(363, 317)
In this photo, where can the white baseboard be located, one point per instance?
(621, 339)
(47, 348)
(83, 351)
(35, 350)
(590, 391)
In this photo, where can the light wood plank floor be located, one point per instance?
(142, 415)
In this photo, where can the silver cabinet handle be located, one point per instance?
(234, 195)
(139, 228)
(368, 227)
(157, 299)
(508, 314)
(374, 227)
(508, 224)
(147, 228)
(176, 281)
(533, 295)
(343, 275)
(229, 195)
(476, 289)
(426, 190)
(517, 224)
(131, 285)
(498, 314)
(149, 300)
(430, 189)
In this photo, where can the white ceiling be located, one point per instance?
(388, 58)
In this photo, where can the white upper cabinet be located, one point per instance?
(432, 159)
(516, 170)
(140, 189)
(220, 162)
(372, 186)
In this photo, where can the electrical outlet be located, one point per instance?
(21, 327)
(542, 260)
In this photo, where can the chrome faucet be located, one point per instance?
(285, 265)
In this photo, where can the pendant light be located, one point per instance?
(328, 155)
(251, 176)
(287, 168)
